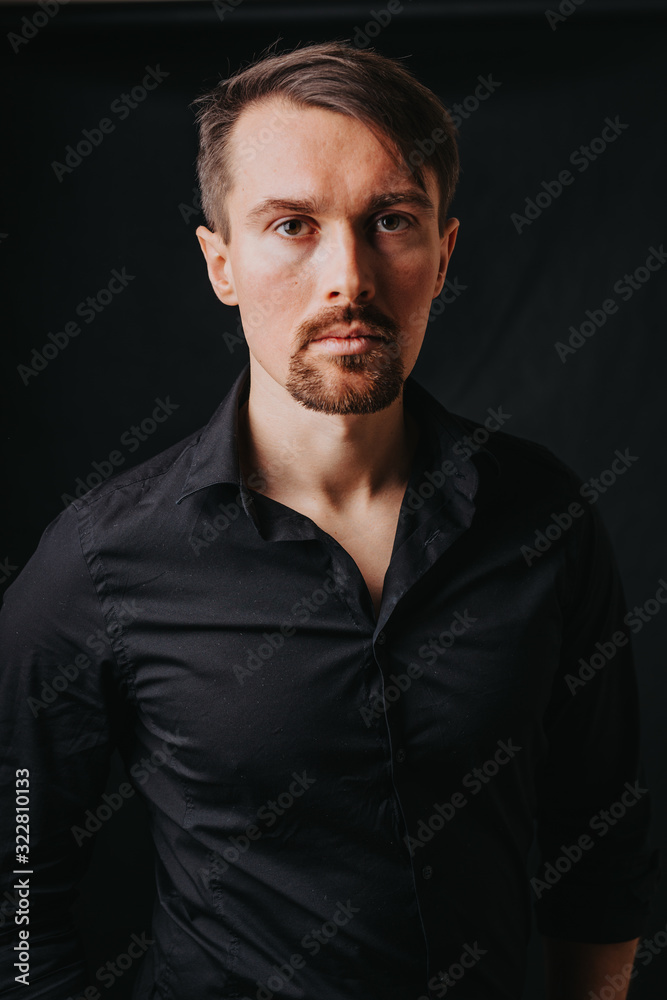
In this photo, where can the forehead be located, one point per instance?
(279, 148)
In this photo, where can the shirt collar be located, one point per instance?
(216, 456)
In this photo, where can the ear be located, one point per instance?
(218, 265)
(446, 249)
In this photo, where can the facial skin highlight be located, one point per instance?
(330, 234)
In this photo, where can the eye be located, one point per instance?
(393, 223)
(291, 227)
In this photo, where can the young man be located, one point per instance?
(342, 637)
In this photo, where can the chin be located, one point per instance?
(347, 383)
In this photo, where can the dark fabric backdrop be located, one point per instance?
(130, 203)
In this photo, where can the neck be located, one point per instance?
(290, 452)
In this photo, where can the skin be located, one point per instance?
(342, 257)
(579, 971)
(317, 426)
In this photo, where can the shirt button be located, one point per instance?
(400, 756)
(381, 637)
(427, 871)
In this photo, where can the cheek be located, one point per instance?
(412, 268)
(271, 303)
(411, 294)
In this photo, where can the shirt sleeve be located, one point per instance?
(58, 693)
(597, 873)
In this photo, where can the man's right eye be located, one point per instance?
(295, 227)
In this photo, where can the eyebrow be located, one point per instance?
(308, 207)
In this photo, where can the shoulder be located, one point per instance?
(129, 511)
(519, 466)
(508, 464)
(528, 492)
(165, 471)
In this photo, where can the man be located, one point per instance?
(338, 634)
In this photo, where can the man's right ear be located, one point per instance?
(218, 265)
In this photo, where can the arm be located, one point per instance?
(597, 873)
(575, 970)
(56, 691)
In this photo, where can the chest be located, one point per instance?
(368, 537)
(256, 650)
(263, 662)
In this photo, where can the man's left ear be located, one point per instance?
(218, 265)
(447, 243)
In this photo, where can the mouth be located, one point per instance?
(348, 340)
(348, 333)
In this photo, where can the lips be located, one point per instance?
(338, 342)
(348, 334)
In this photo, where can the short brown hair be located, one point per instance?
(360, 83)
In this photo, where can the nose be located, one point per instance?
(346, 268)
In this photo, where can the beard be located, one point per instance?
(348, 383)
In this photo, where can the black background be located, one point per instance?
(130, 204)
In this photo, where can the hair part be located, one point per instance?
(404, 115)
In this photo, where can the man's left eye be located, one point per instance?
(393, 223)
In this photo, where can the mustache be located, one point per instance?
(369, 315)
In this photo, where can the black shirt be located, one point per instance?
(342, 807)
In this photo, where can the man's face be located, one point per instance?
(334, 257)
